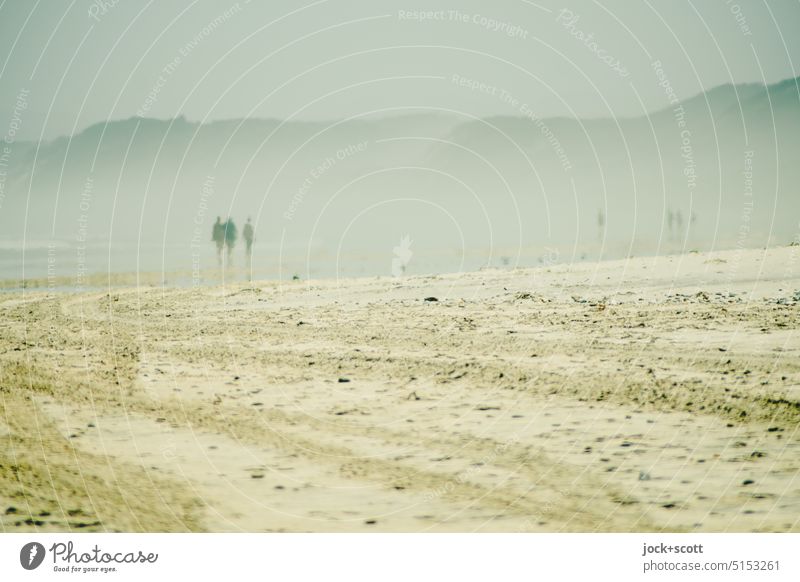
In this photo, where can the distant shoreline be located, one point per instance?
(183, 278)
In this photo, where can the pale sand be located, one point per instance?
(649, 394)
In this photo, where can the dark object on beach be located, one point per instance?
(230, 235)
(748, 482)
(371, 521)
(343, 380)
(249, 236)
(431, 299)
(218, 236)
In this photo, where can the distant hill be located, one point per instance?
(471, 182)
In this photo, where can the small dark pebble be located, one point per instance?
(11, 510)
(668, 505)
(371, 521)
(748, 482)
(774, 429)
(343, 380)
(430, 299)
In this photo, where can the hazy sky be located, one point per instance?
(85, 61)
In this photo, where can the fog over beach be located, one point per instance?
(357, 266)
(334, 199)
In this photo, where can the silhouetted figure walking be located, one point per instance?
(218, 236)
(249, 235)
(230, 238)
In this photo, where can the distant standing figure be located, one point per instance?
(218, 236)
(601, 222)
(670, 220)
(249, 235)
(230, 237)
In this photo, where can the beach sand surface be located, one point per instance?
(647, 394)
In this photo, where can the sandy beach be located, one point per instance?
(648, 394)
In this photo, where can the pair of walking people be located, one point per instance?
(225, 234)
